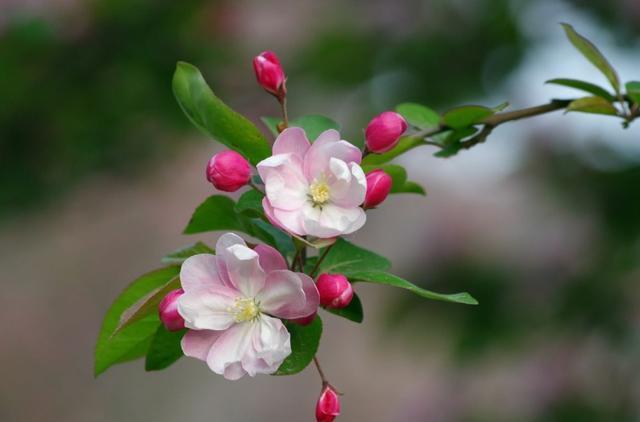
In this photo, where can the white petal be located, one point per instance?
(346, 220)
(291, 221)
(207, 309)
(347, 183)
(285, 184)
(327, 146)
(271, 346)
(243, 266)
(200, 271)
(229, 350)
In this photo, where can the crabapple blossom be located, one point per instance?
(228, 171)
(328, 406)
(270, 74)
(314, 189)
(335, 290)
(378, 187)
(168, 311)
(233, 303)
(383, 131)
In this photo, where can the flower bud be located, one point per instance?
(335, 290)
(168, 311)
(378, 187)
(384, 131)
(270, 74)
(328, 406)
(305, 320)
(228, 171)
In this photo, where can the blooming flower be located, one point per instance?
(314, 189)
(232, 303)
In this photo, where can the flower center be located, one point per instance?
(245, 309)
(319, 193)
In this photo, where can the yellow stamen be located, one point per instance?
(245, 309)
(319, 193)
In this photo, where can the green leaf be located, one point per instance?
(250, 202)
(351, 312)
(215, 213)
(347, 258)
(215, 118)
(147, 305)
(418, 115)
(273, 236)
(633, 91)
(133, 341)
(595, 105)
(304, 346)
(379, 277)
(178, 256)
(583, 86)
(399, 176)
(405, 144)
(164, 349)
(313, 124)
(452, 143)
(591, 53)
(462, 117)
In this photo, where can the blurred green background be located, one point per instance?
(99, 171)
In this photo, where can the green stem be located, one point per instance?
(320, 259)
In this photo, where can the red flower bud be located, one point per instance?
(228, 171)
(335, 290)
(384, 131)
(378, 187)
(305, 320)
(270, 74)
(168, 311)
(328, 406)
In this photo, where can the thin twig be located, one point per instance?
(285, 115)
(320, 259)
(320, 371)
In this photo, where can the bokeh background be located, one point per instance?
(99, 172)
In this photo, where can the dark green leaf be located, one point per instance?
(462, 117)
(395, 281)
(250, 202)
(592, 54)
(352, 312)
(133, 341)
(178, 256)
(164, 349)
(214, 117)
(452, 142)
(595, 105)
(347, 258)
(418, 115)
(633, 91)
(583, 86)
(215, 213)
(405, 144)
(399, 176)
(304, 345)
(413, 187)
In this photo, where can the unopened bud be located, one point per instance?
(168, 311)
(335, 290)
(270, 74)
(328, 406)
(384, 131)
(228, 171)
(378, 187)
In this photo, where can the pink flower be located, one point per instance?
(328, 406)
(168, 311)
(314, 189)
(232, 303)
(384, 131)
(270, 74)
(378, 187)
(335, 290)
(228, 171)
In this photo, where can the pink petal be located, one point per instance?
(200, 271)
(244, 269)
(208, 309)
(290, 220)
(346, 220)
(270, 259)
(271, 346)
(197, 343)
(229, 349)
(292, 140)
(347, 183)
(269, 213)
(327, 146)
(285, 183)
(284, 296)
